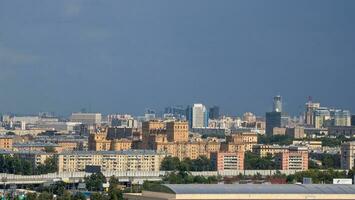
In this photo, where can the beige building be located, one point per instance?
(177, 131)
(347, 159)
(6, 142)
(240, 142)
(295, 158)
(129, 160)
(264, 150)
(99, 142)
(245, 192)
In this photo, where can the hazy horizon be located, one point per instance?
(125, 56)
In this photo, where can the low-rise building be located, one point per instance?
(221, 161)
(129, 160)
(6, 142)
(295, 158)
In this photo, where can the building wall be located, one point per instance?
(177, 131)
(6, 143)
(110, 161)
(347, 155)
(227, 160)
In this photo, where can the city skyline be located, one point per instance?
(125, 57)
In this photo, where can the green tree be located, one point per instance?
(78, 196)
(31, 196)
(94, 181)
(45, 196)
(170, 163)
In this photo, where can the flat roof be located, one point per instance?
(260, 189)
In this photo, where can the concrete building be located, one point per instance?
(99, 142)
(347, 159)
(6, 142)
(309, 114)
(294, 158)
(348, 131)
(265, 150)
(296, 132)
(273, 119)
(240, 142)
(198, 116)
(130, 160)
(221, 161)
(177, 131)
(352, 120)
(86, 118)
(245, 192)
(340, 117)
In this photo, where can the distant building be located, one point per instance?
(221, 161)
(197, 116)
(296, 132)
(177, 131)
(273, 119)
(309, 114)
(277, 104)
(86, 118)
(348, 131)
(352, 120)
(177, 112)
(214, 112)
(347, 159)
(130, 160)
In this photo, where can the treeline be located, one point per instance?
(202, 163)
(275, 139)
(320, 176)
(15, 165)
(255, 162)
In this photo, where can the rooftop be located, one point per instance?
(259, 189)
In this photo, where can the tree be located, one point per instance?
(98, 196)
(78, 196)
(50, 165)
(45, 196)
(31, 196)
(170, 163)
(253, 161)
(94, 181)
(49, 149)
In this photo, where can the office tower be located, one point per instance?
(86, 118)
(321, 117)
(352, 120)
(197, 116)
(273, 119)
(277, 104)
(177, 131)
(309, 114)
(340, 117)
(214, 112)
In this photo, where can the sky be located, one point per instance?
(117, 56)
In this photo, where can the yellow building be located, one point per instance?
(129, 160)
(6, 142)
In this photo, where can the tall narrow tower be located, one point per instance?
(277, 104)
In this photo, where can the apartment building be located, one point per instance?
(227, 160)
(347, 159)
(295, 158)
(263, 150)
(6, 142)
(129, 160)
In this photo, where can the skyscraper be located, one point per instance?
(197, 116)
(309, 114)
(277, 104)
(352, 120)
(273, 119)
(214, 112)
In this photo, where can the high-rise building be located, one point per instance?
(340, 117)
(197, 116)
(277, 104)
(347, 159)
(321, 116)
(352, 120)
(214, 112)
(178, 112)
(309, 114)
(273, 119)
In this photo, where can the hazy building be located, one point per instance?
(347, 160)
(277, 107)
(352, 120)
(177, 112)
(273, 119)
(309, 114)
(321, 117)
(214, 112)
(340, 117)
(86, 118)
(198, 116)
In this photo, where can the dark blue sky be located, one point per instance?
(125, 56)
